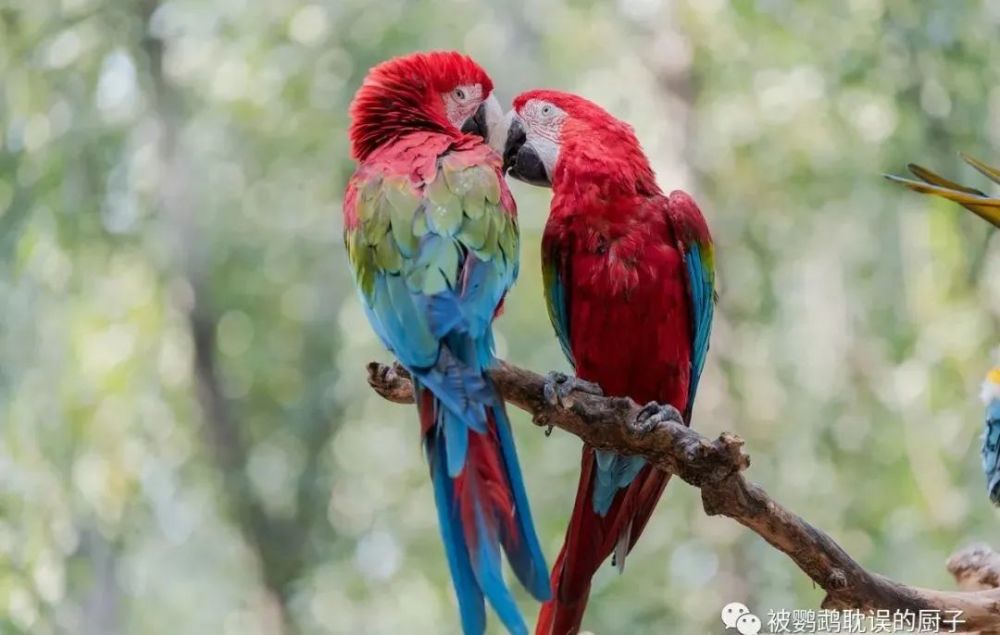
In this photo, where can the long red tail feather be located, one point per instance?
(484, 484)
(590, 539)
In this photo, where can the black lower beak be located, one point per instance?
(476, 124)
(521, 161)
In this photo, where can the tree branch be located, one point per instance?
(975, 568)
(716, 468)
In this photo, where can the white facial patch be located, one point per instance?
(542, 127)
(462, 102)
(548, 151)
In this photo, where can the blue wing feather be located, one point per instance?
(560, 314)
(701, 285)
(991, 451)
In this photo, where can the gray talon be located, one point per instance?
(652, 415)
(549, 390)
(559, 387)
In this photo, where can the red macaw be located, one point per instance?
(630, 284)
(431, 232)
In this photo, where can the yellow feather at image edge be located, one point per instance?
(991, 387)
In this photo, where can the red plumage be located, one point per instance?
(613, 238)
(482, 487)
(416, 155)
(402, 96)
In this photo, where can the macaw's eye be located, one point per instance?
(546, 109)
(459, 94)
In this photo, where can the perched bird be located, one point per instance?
(629, 281)
(991, 434)
(431, 231)
(977, 202)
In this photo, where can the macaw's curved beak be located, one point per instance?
(520, 160)
(477, 124)
(488, 122)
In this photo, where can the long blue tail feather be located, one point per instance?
(523, 550)
(490, 576)
(470, 598)
(463, 402)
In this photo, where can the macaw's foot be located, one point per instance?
(559, 389)
(652, 415)
(560, 386)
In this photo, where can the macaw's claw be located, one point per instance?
(654, 414)
(560, 386)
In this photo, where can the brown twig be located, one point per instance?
(716, 468)
(975, 568)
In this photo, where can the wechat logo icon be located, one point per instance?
(738, 616)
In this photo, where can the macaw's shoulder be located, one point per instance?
(414, 155)
(414, 162)
(419, 155)
(686, 217)
(694, 239)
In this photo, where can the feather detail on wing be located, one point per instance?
(695, 244)
(558, 285)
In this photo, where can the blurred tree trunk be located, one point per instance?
(281, 545)
(101, 613)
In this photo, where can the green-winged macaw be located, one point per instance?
(432, 235)
(629, 279)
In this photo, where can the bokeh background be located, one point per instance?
(187, 442)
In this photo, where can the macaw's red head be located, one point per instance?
(440, 91)
(555, 136)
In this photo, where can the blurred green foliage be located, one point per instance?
(187, 443)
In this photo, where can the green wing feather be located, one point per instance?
(421, 234)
